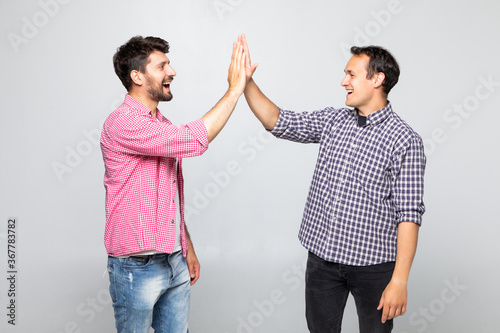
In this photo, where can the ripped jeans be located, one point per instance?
(150, 291)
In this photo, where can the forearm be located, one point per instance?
(407, 247)
(265, 110)
(191, 260)
(217, 117)
(188, 239)
(394, 298)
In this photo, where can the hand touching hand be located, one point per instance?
(249, 68)
(236, 73)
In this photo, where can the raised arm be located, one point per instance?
(217, 117)
(263, 108)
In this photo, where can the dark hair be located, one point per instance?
(381, 61)
(134, 54)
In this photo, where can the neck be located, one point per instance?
(373, 107)
(144, 99)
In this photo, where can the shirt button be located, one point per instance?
(173, 221)
(175, 181)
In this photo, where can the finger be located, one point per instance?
(240, 59)
(239, 52)
(245, 61)
(245, 47)
(196, 274)
(399, 311)
(394, 312)
(233, 60)
(244, 41)
(235, 50)
(385, 314)
(191, 271)
(381, 303)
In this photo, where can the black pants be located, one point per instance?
(328, 285)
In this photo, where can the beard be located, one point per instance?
(155, 90)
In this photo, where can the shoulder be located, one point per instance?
(331, 114)
(403, 135)
(124, 115)
(399, 127)
(324, 111)
(335, 112)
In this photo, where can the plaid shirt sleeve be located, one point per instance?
(408, 167)
(304, 127)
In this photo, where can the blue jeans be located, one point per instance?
(150, 291)
(328, 285)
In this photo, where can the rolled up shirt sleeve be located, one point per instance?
(304, 127)
(142, 135)
(408, 181)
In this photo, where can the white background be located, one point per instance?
(246, 194)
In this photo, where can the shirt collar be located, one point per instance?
(135, 104)
(378, 116)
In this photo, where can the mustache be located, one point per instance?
(170, 79)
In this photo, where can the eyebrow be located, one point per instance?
(163, 63)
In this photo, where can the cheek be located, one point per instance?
(361, 87)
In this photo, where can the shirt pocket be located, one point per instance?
(371, 169)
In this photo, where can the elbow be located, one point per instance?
(270, 122)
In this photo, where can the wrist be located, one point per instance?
(399, 279)
(234, 92)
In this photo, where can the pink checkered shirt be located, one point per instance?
(141, 178)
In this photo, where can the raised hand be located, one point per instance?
(249, 68)
(236, 73)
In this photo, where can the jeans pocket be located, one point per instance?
(135, 261)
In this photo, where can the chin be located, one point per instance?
(167, 98)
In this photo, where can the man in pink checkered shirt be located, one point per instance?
(151, 260)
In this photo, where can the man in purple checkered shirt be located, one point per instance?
(364, 208)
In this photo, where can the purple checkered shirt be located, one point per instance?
(367, 180)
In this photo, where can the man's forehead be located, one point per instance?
(357, 63)
(158, 57)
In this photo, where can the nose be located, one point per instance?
(170, 71)
(345, 81)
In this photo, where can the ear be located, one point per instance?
(378, 79)
(136, 77)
